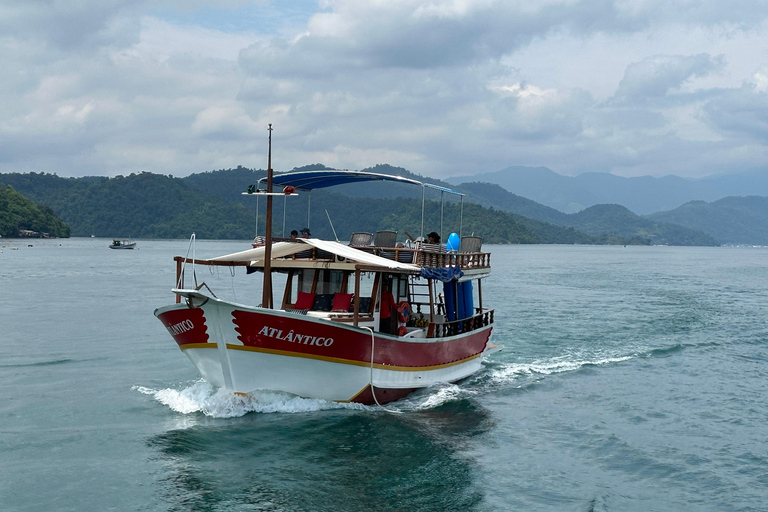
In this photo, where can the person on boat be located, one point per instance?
(294, 234)
(305, 233)
(433, 238)
(387, 321)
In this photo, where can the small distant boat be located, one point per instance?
(122, 243)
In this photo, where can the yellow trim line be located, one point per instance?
(378, 366)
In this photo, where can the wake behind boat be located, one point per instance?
(366, 322)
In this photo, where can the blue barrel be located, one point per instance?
(450, 300)
(467, 301)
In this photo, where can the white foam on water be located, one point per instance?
(442, 395)
(508, 373)
(202, 397)
(430, 398)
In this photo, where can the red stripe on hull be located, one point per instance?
(294, 334)
(186, 326)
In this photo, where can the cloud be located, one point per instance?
(656, 76)
(69, 26)
(743, 111)
(441, 88)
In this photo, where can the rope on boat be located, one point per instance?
(370, 379)
(191, 246)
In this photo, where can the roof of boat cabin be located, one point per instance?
(281, 249)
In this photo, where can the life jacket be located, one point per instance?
(403, 312)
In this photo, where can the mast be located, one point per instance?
(266, 297)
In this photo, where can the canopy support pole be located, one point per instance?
(257, 218)
(423, 189)
(441, 214)
(357, 297)
(309, 207)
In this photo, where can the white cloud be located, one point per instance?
(655, 77)
(445, 87)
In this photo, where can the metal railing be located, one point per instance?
(444, 329)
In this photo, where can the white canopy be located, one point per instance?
(280, 249)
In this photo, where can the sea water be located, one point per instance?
(630, 379)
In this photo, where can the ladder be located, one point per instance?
(418, 294)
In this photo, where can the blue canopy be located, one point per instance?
(310, 180)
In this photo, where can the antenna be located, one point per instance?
(331, 223)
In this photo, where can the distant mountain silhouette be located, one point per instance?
(618, 221)
(642, 195)
(731, 220)
(492, 195)
(212, 205)
(609, 222)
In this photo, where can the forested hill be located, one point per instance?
(608, 222)
(17, 214)
(619, 221)
(148, 205)
(602, 223)
(141, 205)
(397, 206)
(731, 220)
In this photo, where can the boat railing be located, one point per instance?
(425, 255)
(465, 325)
(433, 255)
(451, 259)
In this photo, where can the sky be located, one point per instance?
(442, 88)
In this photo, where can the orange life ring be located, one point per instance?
(402, 331)
(403, 312)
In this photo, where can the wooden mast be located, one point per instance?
(266, 297)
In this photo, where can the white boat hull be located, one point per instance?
(244, 349)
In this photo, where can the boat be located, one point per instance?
(122, 243)
(326, 338)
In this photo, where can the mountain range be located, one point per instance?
(147, 205)
(212, 204)
(731, 220)
(642, 195)
(606, 224)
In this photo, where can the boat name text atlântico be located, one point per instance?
(306, 339)
(181, 327)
